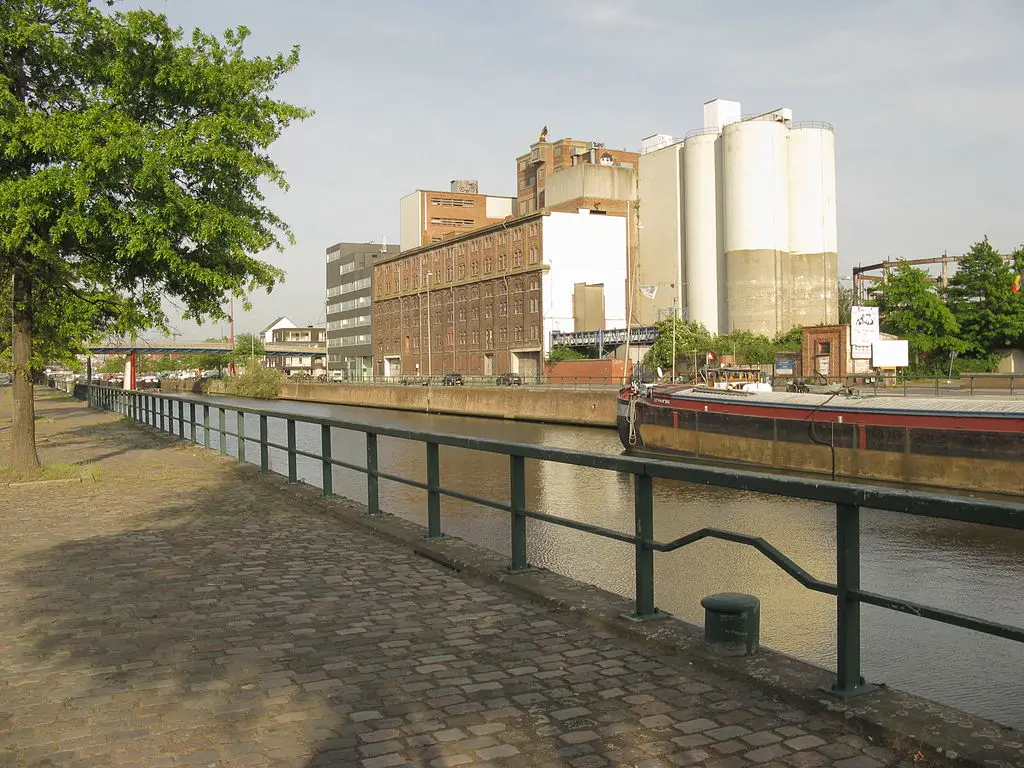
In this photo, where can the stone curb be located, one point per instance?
(929, 732)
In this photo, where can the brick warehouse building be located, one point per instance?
(486, 302)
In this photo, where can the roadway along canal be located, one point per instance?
(957, 566)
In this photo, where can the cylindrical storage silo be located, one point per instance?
(755, 195)
(702, 247)
(813, 289)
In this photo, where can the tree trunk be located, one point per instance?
(24, 459)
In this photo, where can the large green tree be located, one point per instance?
(690, 338)
(131, 165)
(910, 308)
(981, 298)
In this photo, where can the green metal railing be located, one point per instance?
(158, 411)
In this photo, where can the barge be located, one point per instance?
(975, 444)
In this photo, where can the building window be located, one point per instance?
(535, 332)
(824, 347)
(453, 202)
(517, 259)
(535, 284)
(503, 334)
(503, 308)
(487, 312)
(444, 221)
(462, 338)
(502, 261)
(462, 271)
(489, 337)
(450, 273)
(519, 333)
(534, 305)
(462, 314)
(534, 255)
(476, 338)
(518, 306)
(474, 268)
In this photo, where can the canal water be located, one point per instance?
(961, 567)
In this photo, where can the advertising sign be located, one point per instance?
(863, 326)
(890, 354)
(783, 367)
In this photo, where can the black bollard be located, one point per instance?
(732, 623)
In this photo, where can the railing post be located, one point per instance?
(433, 494)
(848, 677)
(181, 420)
(325, 457)
(222, 425)
(904, 386)
(264, 448)
(643, 512)
(517, 483)
(293, 460)
(206, 426)
(163, 418)
(372, 481)
(240, 436)
(971, 379)
(192, 420)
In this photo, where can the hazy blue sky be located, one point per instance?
(926, 96)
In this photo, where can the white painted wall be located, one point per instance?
(581, 248)
(499, 207)
(410, 211)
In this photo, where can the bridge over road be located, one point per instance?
(177, 609)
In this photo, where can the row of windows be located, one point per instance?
(348, 322)
(453, 202)
(347, 304)
(444, 221)
(449, 337)
(444, 296)
(354, 285)
(353, 341)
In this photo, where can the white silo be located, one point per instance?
(813, 289)
(755, 188)
(702, 248)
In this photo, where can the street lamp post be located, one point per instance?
(675, 313)
(430, 358)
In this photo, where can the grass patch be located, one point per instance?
(56, 471)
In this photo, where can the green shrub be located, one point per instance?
(260, 383)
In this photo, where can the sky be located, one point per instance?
(926, 98)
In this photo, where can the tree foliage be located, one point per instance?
(846, 299)
(561, 354)
(690, 338)
(131, 165)
(981, 298)
(910, 309)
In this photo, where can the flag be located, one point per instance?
(1015, 285)
(650, 291)
(710, 357)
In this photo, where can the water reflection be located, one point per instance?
(962, 567)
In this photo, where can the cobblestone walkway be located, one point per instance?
(173, 612)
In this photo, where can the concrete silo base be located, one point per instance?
(812, 290)
(753, 300)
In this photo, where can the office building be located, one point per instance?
(349, 330)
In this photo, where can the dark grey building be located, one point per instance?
(349, 316)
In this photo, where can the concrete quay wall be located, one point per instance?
(590, 408)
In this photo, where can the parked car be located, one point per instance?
(454, 380)
(509, 380)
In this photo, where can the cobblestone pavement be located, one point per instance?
(172, 612)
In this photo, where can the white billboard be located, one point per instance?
(863, 326)
(893, 353)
